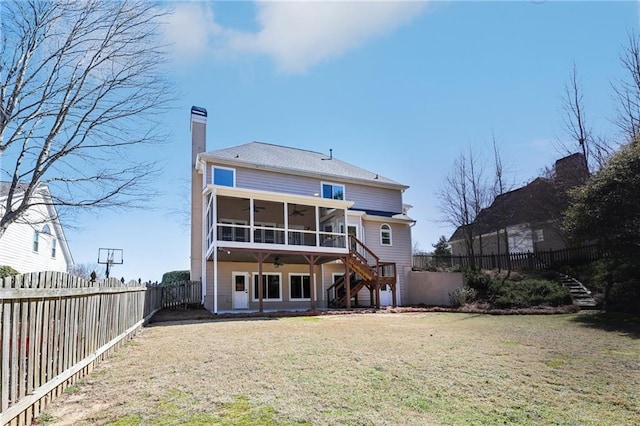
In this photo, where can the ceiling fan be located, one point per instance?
(256, 208)
(297, 212)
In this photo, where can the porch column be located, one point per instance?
(348, 281)
(312, 280)
(317, 212)
(377, 284)
(260, 257)
(394, 295)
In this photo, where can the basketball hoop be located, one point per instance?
(109, 257)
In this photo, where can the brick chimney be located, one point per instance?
(571, 171)
(198, 145)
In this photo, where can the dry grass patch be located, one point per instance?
(422, 368)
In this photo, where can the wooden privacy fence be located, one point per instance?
(182, 294)
(55, 329)
(526, 260)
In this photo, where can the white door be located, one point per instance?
(386, 298)
(240, 290)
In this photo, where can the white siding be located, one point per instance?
(16, 245)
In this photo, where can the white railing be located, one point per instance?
(235, 233)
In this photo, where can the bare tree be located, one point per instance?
(479, 194)
(81, 88)
(574, 119)
(628, 90)
(84, 270)
(501, 185)
(462, 196)
(595, 149)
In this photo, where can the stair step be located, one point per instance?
(578, 291)
(580, 295)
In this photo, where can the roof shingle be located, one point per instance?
(283, 158)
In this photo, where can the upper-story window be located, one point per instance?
(385, 235)
(333, 190)
(224, 176)
(36, 240)
(46, 230)
(54, 247)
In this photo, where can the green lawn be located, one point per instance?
(399, 369)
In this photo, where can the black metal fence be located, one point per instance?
(516, 261)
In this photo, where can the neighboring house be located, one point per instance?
(36, 242)
(527, 218)
(316, 229)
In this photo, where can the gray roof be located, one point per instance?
(294, 160)
(4, 188)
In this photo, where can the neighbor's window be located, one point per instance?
(224, 177)
(36, 240)
(54, 246)
(385, 234)
(300, 287)
(538, 235)
(271, 290)
(333, 190)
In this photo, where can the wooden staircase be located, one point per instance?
(364, 270)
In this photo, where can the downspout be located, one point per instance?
(215, 281)
(214, 212)
(399, 297)
(203, 256)
(204, 230)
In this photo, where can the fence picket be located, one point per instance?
(54, 328)
(181, 294)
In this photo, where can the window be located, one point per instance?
(36, 240)
(300, 287)
(54, 246)
(270, 287)
(224, 177)
(538, 235)
(46, 230)
(385, 234)
(333, 191)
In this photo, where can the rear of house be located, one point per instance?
(276, 227)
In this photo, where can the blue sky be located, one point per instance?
(398, 88)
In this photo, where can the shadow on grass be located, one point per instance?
(166, 317)
(628, 325)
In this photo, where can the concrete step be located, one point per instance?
(580, 295)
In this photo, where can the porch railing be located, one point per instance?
(281, 236)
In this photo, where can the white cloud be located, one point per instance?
(191, 29)
(295, 34)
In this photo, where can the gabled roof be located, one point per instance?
(43, 191)
(534, 203)
(296, 161)
(541, 200)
